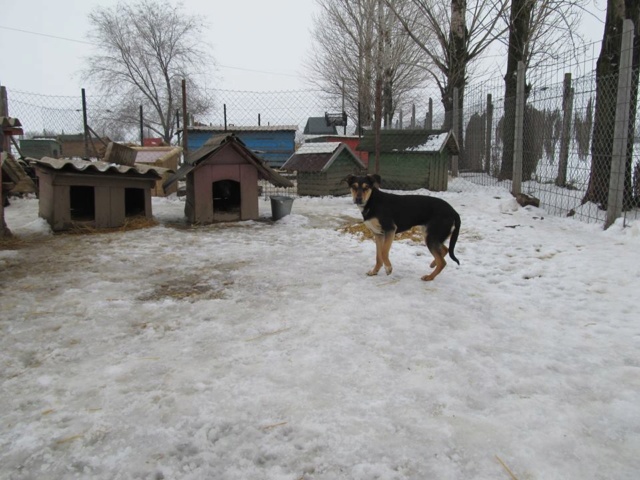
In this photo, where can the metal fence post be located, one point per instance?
(621, 128)
(428, 121)
(185, 122)
(567, 113)
(4, 112)
(518, 136)
(488, 134)
(85, 124)
(141, 127)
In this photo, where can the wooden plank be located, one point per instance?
(120, 154)
(102, 213)
(61, 208)
(248, 192)
(117, 212)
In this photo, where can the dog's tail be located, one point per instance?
(454, 238)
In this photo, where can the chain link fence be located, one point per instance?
(559, 163)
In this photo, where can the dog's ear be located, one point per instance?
(349, 179)
(375, 180)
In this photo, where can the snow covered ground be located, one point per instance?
(261, 350)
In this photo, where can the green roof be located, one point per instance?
(416, 140)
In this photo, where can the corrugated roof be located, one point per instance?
(231, 129)
(79, 165)
(318, 157)
(10, 122)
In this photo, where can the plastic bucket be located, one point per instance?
(280, 206)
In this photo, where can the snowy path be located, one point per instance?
(261, 350)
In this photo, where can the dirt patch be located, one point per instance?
(186, 292)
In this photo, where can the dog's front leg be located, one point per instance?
(379, 246)
(386, 246)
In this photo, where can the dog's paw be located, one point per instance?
(388, 269)
(372, 273)
(427, 278)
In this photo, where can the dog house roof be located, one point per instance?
(79, 165)
(426, 141)
(318, 157)
(216, 143)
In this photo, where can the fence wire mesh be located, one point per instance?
(561, 165)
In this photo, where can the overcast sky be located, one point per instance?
(258, 45)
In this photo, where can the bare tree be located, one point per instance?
(144, 51)
(346, 37)
(452, 36)
(607, 72)
(540, 31)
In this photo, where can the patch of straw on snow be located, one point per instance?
(360, 231)
(130, 223)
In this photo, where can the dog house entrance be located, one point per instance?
(133, 202)
(82, 203)
(226, 200)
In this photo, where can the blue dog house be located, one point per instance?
(272, 143)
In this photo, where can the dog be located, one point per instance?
(386, 214)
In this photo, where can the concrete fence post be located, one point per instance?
(621, 128)
(518, 136)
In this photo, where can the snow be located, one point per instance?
(320, 147)
(261, 350)
(433, 144)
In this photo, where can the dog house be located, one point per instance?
(322, 167)
(76, 192)
(412, 159)
(222, 181)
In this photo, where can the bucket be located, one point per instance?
(280, 206)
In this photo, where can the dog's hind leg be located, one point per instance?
(438, 250)
(444, 251)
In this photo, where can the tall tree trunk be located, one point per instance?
(458, 44)
(365, 81)
(606, 96)
(387, 70)
(520, 19)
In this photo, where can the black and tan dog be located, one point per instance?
(386, 214)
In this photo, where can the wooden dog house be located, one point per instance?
(76, 192)
(322, 167)
(412, 159)
(222, 181)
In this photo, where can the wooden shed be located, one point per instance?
(40, 147)
(322, 167)
(412, 159)
(272, 143)
(75, 192)
(222, 181)
(160, 156)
